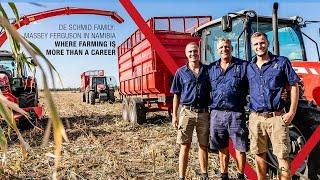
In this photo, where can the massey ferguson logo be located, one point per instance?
(303, 70)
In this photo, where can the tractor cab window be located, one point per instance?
(212, 34)
(8, 64)
(290, 39)
(98, 80)
(290, 42)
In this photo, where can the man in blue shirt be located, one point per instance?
(268, 75)
(229, 89)
(191, 90)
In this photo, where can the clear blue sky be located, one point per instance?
(70, 67)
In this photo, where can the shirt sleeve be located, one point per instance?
(292, 76)
(176, 87)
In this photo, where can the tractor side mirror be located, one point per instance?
(226, 23)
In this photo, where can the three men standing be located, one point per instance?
(267, 76)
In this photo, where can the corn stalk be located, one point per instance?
(6, 107)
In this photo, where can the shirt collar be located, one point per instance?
(272, 58)
(186, 67)
(234, 60)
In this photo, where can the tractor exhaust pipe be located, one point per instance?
(276, 50)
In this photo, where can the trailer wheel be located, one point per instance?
(92, 98)
(125, 109)
(137, 111)
(84, 97)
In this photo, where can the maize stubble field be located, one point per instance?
(103, 146)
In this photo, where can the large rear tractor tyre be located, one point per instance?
(125, 109)
(307, 119)
(92, 97)
(138, 112)
(112, 98)
(25, 124)
(28, 100)
(297, 141)
(304, 124)
(84, 97)
(87, 97)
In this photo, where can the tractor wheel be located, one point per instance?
(25, 124)
(87, 97)
(92, 97)
(28, 100)
(112, 98)
(297, 141)
(83, 97)
(137, 112)
(303, 125)
(125, 109)
(307, 119)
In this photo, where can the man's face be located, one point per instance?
(260, 45)
(192, 53)
(224, 49)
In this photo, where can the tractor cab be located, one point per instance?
(7, 71)
(18, 87)
(238, 27)
(99, 83)
(18, 81)
(7, 66)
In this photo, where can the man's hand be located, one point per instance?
(288, 117)
(175, 121)
(284, 94)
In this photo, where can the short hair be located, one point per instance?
(258, 34)
(192, 43)
(223, 39)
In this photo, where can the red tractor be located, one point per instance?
(288, 38)
(94, 85)
(20, 90)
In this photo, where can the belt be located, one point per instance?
(194, 109)
(270, 114)
(226, 110)
(220, 109)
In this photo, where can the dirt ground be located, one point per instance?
(103, 146)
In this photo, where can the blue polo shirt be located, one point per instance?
(194, 91)
(267, 83)
(229, 88)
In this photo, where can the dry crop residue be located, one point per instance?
(103, 146)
